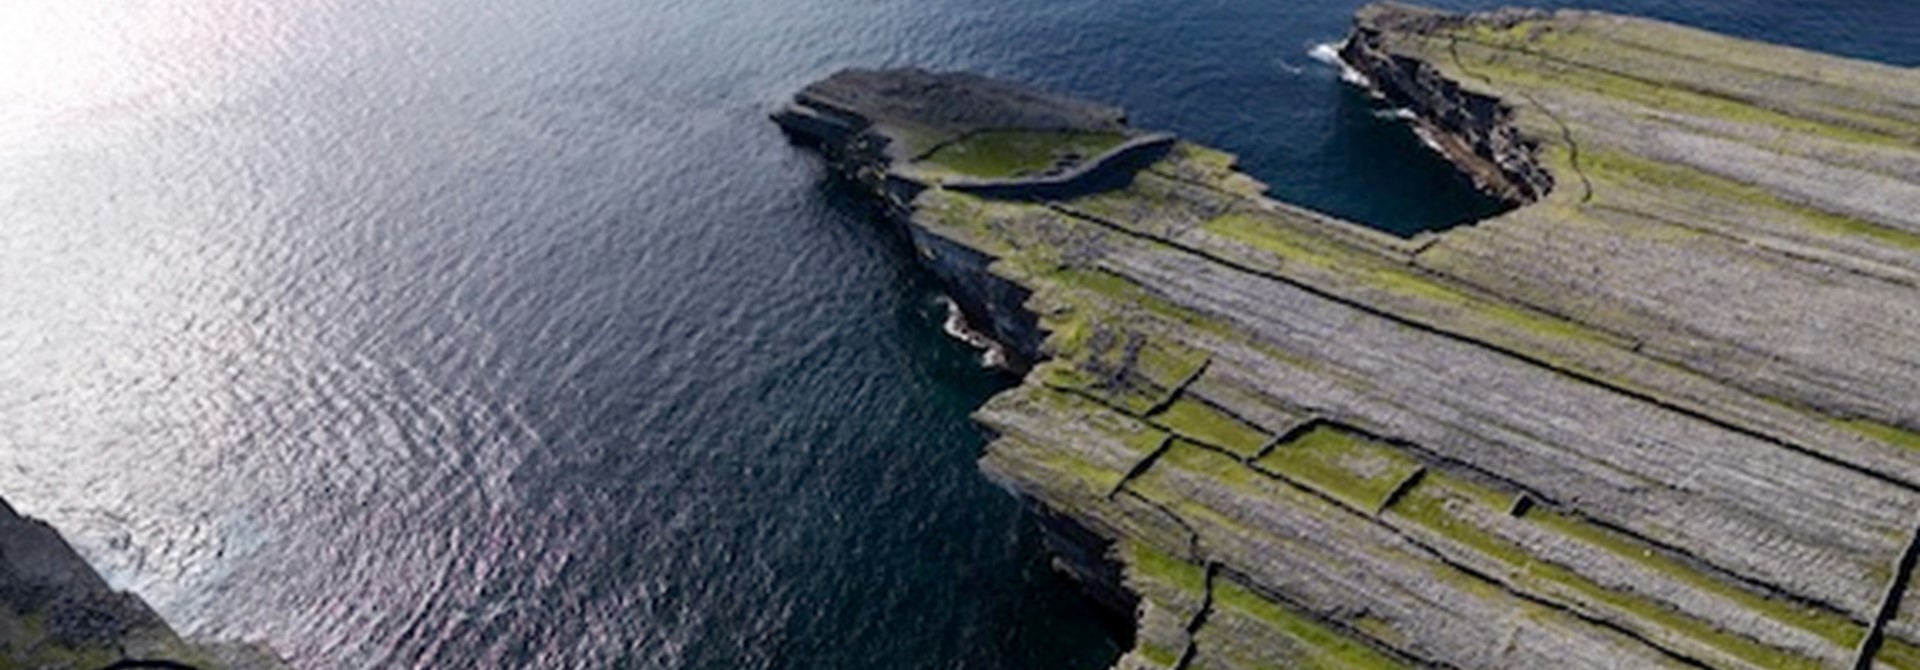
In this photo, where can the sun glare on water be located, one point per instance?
(68, 67)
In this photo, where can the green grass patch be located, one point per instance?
(1127, 295)
(1379, 629)
(1216, 169)
(1510, 64)
(1420, 295)
(1105, 373)
(1897, 653)
(1206, 159)
(1611, 166)
(1157, 655)
(1080, 418)
(1196, 459)
(1848, 111)
(1412, 285)
(1441, 504)
(1894, 435)
(1519, 34)
(1310, 643)
(1002, 154)
(1204, 423)
(1262, 233)
(1149, 563)
(966, 220)
(1434, 504)
(1353, 469)
(1832, 627)
(1131, 368)
(1072, 475)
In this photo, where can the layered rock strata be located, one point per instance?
(1658, 415)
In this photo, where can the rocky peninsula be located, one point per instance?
(1660, 414)
(57, 613)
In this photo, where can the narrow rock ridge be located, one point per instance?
(1655, 416)
(57, 613)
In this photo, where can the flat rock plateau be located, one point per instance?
(1659, 414)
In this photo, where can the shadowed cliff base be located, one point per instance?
(1407, 188)
(1654, 417)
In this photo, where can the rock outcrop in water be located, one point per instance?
(56, 613)
(1658, 415)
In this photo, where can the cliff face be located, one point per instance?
(1475, 131)
(1656, 417)
(56, 613)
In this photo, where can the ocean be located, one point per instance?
(462, 334)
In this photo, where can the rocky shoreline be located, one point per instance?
(1655, 416)
(57, 613)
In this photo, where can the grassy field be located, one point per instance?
(999, 154)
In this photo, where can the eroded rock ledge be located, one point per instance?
(1663, 419)
(1474, 130)
(56, 613)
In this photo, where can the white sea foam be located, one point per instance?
(992, 355)
(1399, 113)
(1329, 53)
(1429, 140)
(1326, 52)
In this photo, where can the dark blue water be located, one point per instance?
(454, 333)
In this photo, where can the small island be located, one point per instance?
(1658, 414)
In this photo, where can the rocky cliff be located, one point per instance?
(1658, 415)
(56, 613)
